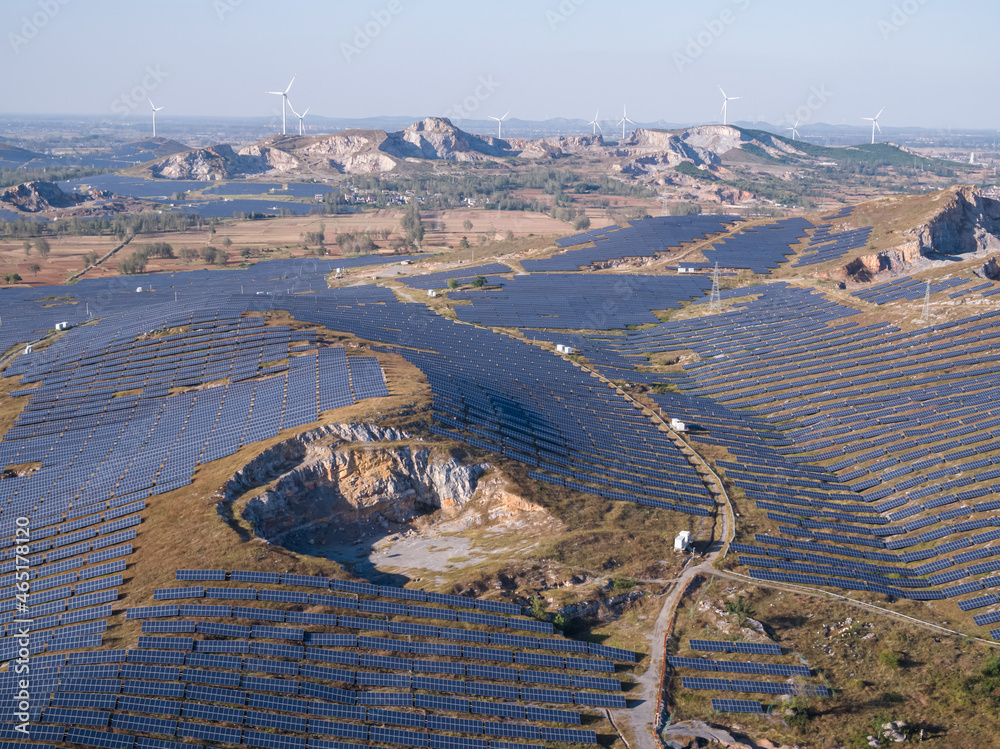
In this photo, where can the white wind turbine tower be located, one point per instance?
(624, 119)
(874, 121)
(500, 123)
(595, 123)
(155, 110)
(300, 116)
(793, 128)
(284, 100)
(725, 105)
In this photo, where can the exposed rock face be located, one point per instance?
(222, 162)
(361, 475)
(353, 152)
(32, 197)
(969, 223)
(866, 267)
(437, 138)
(558, 147)
(603, 610)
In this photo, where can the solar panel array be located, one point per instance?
(236, 674)
(905, 289)
(759, 248)
(593, 302)
(492, 272)
(873, 452)
(824, 246)
(644, 238)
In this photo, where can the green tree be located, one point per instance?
(246, 252)
(89, 259)
(412, 226)
(42, 245)
(538, 608)
(133, 264)
(452, 283)
(464, 244)
(582, 223)
(26, 247)
(11, 278)
(479, 282)
(467, 225)
(742, 608)
(34, 268)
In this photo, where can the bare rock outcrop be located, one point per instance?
(32, 197)
(968, 224)
(223, 162)
(437, 138)
(344, 474)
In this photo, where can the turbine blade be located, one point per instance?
(880, 113)
(505, 115)
(877, 126)
(290, 83)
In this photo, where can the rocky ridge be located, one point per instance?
(344, 474)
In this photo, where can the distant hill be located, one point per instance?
(148, 150)
(643, 153)
(12, 157)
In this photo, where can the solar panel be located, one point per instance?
(736, 706)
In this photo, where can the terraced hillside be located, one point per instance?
(855, 441)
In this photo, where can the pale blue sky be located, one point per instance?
(930, 63)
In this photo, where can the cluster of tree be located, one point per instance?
(413, 227)
(313, 238)
(41, 246)
(495, 190)
(11, 278)
(137, 260)
(360, 243)
(684, 209)
(157, 249)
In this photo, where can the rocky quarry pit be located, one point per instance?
(370, 497)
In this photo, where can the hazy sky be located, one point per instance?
(929, 62)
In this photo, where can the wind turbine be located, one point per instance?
(725, 105)
(624, 119)
(500, 123)
(155, 110)
(300, 116)
(595, 123)
(284, 100)
(795, 132)
(874, 121)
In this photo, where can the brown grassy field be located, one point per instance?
(272, 238)
(877, 669)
